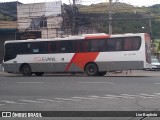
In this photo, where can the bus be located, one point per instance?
(92, 54)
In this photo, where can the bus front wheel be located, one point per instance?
(91, 69)
(39, 73)
(26, 70)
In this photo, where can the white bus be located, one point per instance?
(94, 54)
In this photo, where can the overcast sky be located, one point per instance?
(133, 2)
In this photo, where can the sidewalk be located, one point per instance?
(2, 74)
(138, 73)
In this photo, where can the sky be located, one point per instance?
(138, 3)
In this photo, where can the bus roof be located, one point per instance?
(77, 37)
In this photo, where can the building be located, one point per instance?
(8, 23)
(40, 17)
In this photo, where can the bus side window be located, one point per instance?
(43, 47)
(101, 45)
(119, 44)
(111, 45)
(10, 52)
(94, 45)
(24, 48)
(71, 46)
(85, 46)
(49, 47)
(35, 48)
(136, 43)
(78, 45)
(53, 46)
(132, 43)
(57, 47)
(64, 46)
(128, 44)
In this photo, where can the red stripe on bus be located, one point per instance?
(96, 37)
(70, 63)
(81, 59)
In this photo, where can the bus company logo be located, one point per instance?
(37, 59)
(6, 114)
(44, 59)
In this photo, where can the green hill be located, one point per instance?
(127, 18)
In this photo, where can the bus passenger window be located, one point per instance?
(78, 46)
(35, 47)
(49, 47)
(119, 45)
(64, 46)
(10, 52)
(85, 46)
(136, 44)
(35, 50)
(53, 47)
(63, 49)
(111, 45)
(101, 45)
(71, 47)
(128, 44)
(43, 47)
(94, 45)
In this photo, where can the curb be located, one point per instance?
(134, 73)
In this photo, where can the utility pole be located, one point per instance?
(110, 17)
(150, 29)
(73, 19)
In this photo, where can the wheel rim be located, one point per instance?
(91, 69)
(26, 70)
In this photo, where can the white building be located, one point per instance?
(44, 17)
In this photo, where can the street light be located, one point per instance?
(143, 27)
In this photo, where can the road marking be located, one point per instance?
(98, 82)
(66, 99)
(94, 96)
(11, 102)
(149, 95)
(106, 97)
(128, 95)
(29, 82)
(86, 98)
(157, 94)
(118, 96)
(31, 101)
(7, 101)
(49, 100)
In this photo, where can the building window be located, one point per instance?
(43, 22)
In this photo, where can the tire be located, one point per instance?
(101, 73)
(91, 69)
(39, 73)
(26, 70)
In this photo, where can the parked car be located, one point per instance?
(155, 64)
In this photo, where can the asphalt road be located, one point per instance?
(116, 92)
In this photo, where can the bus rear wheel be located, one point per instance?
(26, 70)
(101, 73)
(39, 73)
(91, 69)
